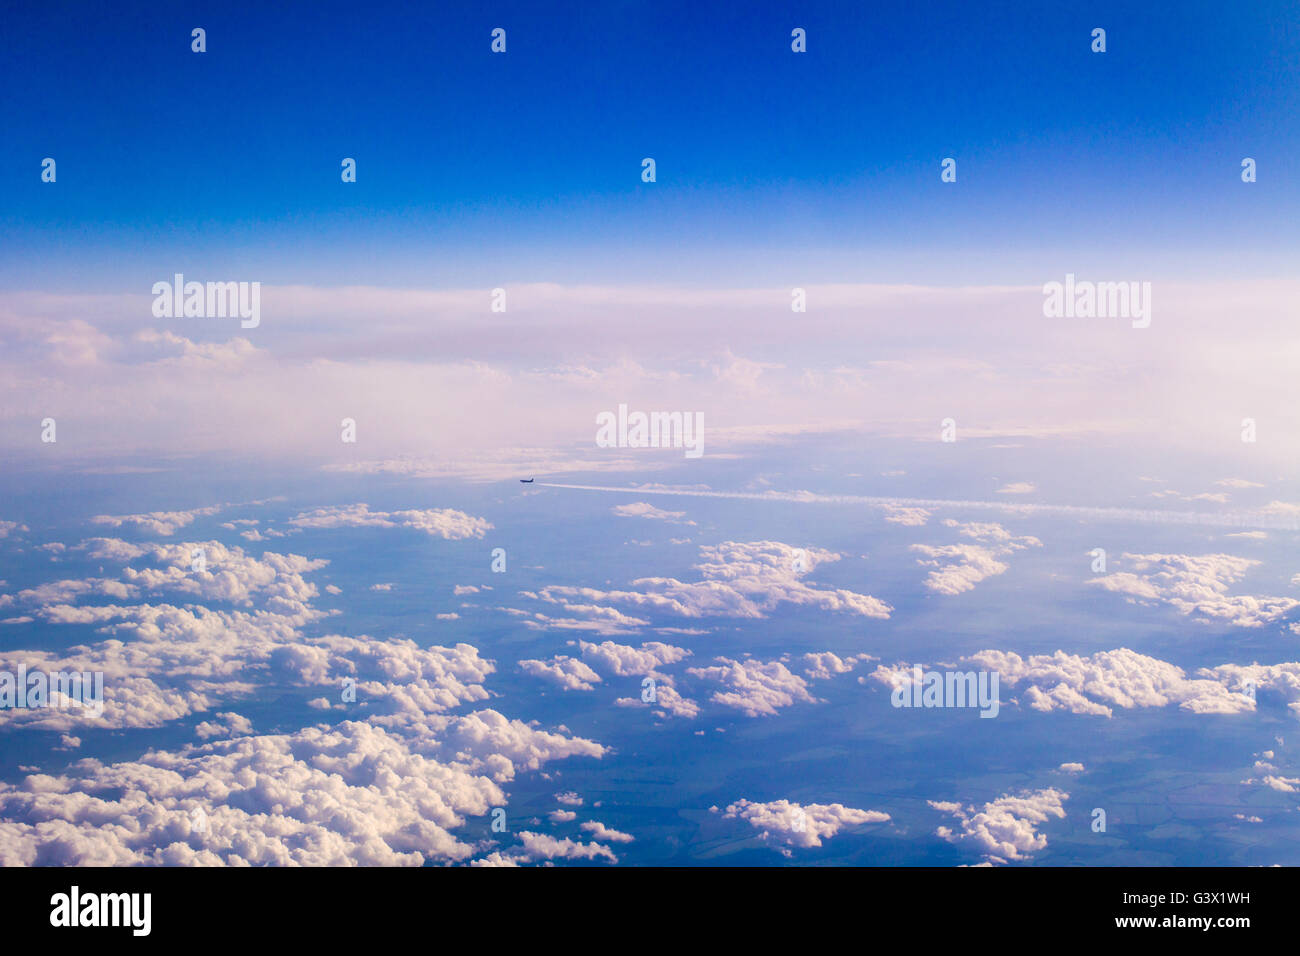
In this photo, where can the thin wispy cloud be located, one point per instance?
(1280, 518)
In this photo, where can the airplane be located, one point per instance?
(526, 481)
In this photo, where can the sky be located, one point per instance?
(483, 169)
(333, 625)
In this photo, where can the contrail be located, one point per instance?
(1240, 519)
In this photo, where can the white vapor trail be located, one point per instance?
(1241, 519)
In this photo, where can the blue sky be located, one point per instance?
(525, 167)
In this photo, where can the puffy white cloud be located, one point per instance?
(601, 832)
(389, 789)
(488, 742)
(157, 522)
(643, 509)
(1123, 678)
(229, 575)
(753, 687)
(1004, 829)
(782, 821)
(823, 665)
(1280, 784)
(539, 846)
(229, 725)
(353, 794)
(183, 660)
(667, 699)
(393, 677)
(439, 522)
(601, 621)
(178, 660)
(738, 580)
(626, 661)
(495, 858)
(264, 534)
(1196, 586)
(57, 592)
(568, 672)
(1108, 679)
(1281, 680)
(908, 517)
(111, 549)
(959, 567)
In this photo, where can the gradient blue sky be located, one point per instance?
(479, 169)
